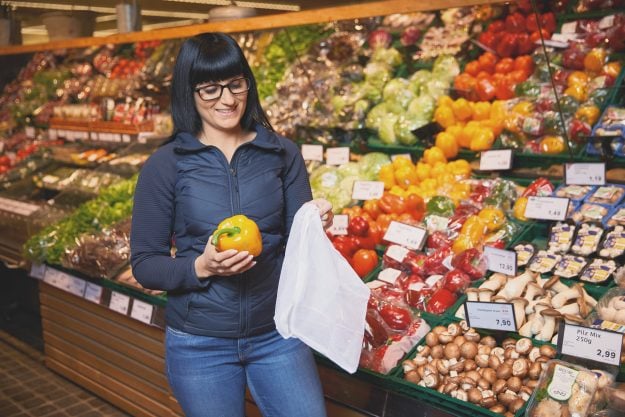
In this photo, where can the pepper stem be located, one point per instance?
(227, 231)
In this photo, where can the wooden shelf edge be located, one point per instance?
(329, 14)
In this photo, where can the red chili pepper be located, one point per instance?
(440, 301)
(397, 318)
(358, 226)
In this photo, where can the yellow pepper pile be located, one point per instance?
(478, 227)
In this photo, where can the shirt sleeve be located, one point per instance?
(151, 231)
(296, 183)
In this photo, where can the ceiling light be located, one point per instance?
(254, 4)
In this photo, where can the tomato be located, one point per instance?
(524, 63)
(504, 66)
(487, 61)
(472, 68)
(364, 261)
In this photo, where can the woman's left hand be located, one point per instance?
(325, 211)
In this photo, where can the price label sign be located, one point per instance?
(563, 37)
(588, 343)
(500, 260)
(119, 302)
(496, 160)
(142, 311)
(93, 293)
(411, 237)
(339, 224)
(38, 271)
(337, 156)
(126, 138)
(75, 285)
(570, 27)
(312, 152)
(30, 132)
(592, 173)
(55, 278)
(367, 190)
(491, 316)
(52, 134)
(606, 22)
(553, 44)
(547, 208)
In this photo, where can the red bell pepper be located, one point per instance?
(440, 301)
(397, 318)
(415, 206)
(515, 23)
(433, 265)
(548, 22)
(456, 281)
(438, 240)
(364, 261)
(524, 44)
(471, 262)
(507, 46)
(539, 187)
(375, 332)
(345, 245)
(415, 262)
(358, 226)
(579, 131)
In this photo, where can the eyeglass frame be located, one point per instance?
(221, 92)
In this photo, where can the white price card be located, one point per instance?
(588, 343)
(553, 44)
(337, 156)
(592, 173)
(397, 253)
(93, 293)
(142, 311)
(570, 27)
(492, 316)
(389, 275)
(367, 190)
(126, 138)
(563, 37)
(94, 136)
(312, 152)
(500, 260)
(54, 277)
(546, 208)
(38, 270)
(401, 155)
(606, 22)
(74, 285)
(117, 137)
(412, 237)
(339, 224)
(30, 132)
(119, 302)
(52, 134)
(496, 160)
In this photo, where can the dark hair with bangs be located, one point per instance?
(210, 57)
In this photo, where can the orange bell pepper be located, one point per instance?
(390, 203)
(415, 206)
(371, 207)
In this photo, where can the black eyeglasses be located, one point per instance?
(214, 91)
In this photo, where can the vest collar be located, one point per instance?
(187, 143)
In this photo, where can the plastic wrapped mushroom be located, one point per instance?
(550, 319)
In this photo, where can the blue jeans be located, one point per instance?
(208, 375)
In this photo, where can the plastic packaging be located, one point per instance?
(563, 389)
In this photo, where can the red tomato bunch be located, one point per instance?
(126, 68)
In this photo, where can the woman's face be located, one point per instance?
(221, 104)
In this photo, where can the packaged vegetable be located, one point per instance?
(587, 239)
(599, 271)
(561, 237)
(613, 245)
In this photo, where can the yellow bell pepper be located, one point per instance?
(588, 114)
(474, 227)
(594, 60)
(462, 243)
(493, 217)
(238, 232)
(518, 210)
(482, 140)
(551, 145)
(613, 69)
(462, 109)
(423, 170)
(481, 110)
(387, 176)
(577, 78)
(444, 116)
(433, 155)
(447, 143)
(577, 91)
(406, 175)
(524, 108)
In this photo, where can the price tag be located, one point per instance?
(496, 160)
(606, 22)
(337, 156)
(547, 208)
(406, 235)
(500, 260)
(588, 343)
(389, 275)
(563, 37)
(492, 316)
(74, 285)
(367, 190)
(93, 293)
(339, 224)
(584, 173)
(553, 44)
(117, 137)
(119, 302)
(143, 137)
(38, 271)
(401, 155)
(142, 311)
(126, 138)
(375, 284)
(30, 132)
(93, 135)
(52, 134)
(312, 152)
(570, 27)
(54, 277)
(397, 253)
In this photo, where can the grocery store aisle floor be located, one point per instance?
(29, 389)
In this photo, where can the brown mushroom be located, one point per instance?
(472, 336)
(515, 383)
(508, 342)
(504, 371)
(494, 362)
(498, 408)
(412, 376)
(523, 346)
(459, 340)
(516, 405)
(506, 397)
(438, 330)
(482, 360)
(431, 339)
(488, 402)
(535, 370)
(489, 341)
(548, 351)
(500, 386)
(452, 351)
(520, 367)
(469, 365)
(437, 352)
(445, 337)
(454, 329)
(468, 350)
(490, 375)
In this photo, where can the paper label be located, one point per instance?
(499, 260)
(65, 282)
(75, 286)
(492, 316)
(376, 284)
(339, 224)
(584, 173)
(406, 235)
(17, 207)
(496, 160)
(337, 156)
(93, 293)
(312, 152)
(142, 311)
(367, 190)
(606, 22)
(94, 136)
(119, 302)
(546, 208)
(561, 385)
(30, 132)
(588, 343)
(126, 138)
(53, 134)
(117, 137)
(389, 275)
(563, 37)
(396, 252)
(570, 27)
(553, 44)
(38, 271)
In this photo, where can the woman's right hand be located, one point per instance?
(226, 263)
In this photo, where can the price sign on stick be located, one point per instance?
(406, 235)
(367, 190)
(500, 260)
(547, 208)
(339, 224)
(584, 173)
(312, 152)
(337, 156)
(496, 160)
(491, 316)
(588, 343)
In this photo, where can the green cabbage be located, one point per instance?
(387, 55)
(371, 163)
(398, 90)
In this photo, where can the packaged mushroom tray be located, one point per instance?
(477, 372)
(539, 303)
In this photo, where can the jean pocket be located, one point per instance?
(177, 333)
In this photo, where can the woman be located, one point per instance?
(223, 159)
